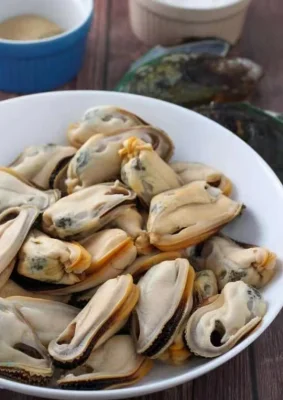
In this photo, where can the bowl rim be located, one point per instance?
(183, 377)
(56, 38)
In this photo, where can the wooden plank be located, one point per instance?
(267, 362)
(177, 393)
(124, 47)
(6, 395)
(7, 96)
(183, 392)
(262, 42)
(231, 381)
(93, 73)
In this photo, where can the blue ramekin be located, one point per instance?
(38, 66)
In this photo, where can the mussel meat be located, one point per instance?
(11, 289)
(15, 224)
(45, 259)
(113, 365)
(166, 299)
(133, 222)
(98, 160)
(185, 216)
(43, 165)
(101, 318)
(190, 172)
(47, 318)
(205, 286)
(101, 119)
(23, 357)
(87, 211)
(15, 191)
(143, 263)
(177, 353)
(232, 261)
(144, 171)
(81, 299)
(215, 328)
(111, 251)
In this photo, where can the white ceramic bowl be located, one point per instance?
(44, 118)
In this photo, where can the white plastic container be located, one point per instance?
(168, 22)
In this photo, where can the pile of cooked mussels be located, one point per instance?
(112, 257)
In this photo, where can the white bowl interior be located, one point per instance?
(45, 118)
(68, 14)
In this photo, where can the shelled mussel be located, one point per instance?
(87, 167)
(232, 261)
(45, 166)
(101, 318)
(45, 259)
(47, 318)
(215, 328)
(87, 211)
(101, 119)
(185, 216)
(144, 171)
(15, 223)
(113, 365)
(23, 357)
(169, 286)
(190, 172)
(16, 191)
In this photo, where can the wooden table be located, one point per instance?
(257, 373)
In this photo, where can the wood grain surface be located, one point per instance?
(256, 373)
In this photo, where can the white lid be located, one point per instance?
(195, 10)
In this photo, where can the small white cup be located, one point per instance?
(168, 22)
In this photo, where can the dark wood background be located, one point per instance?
(257, 373)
